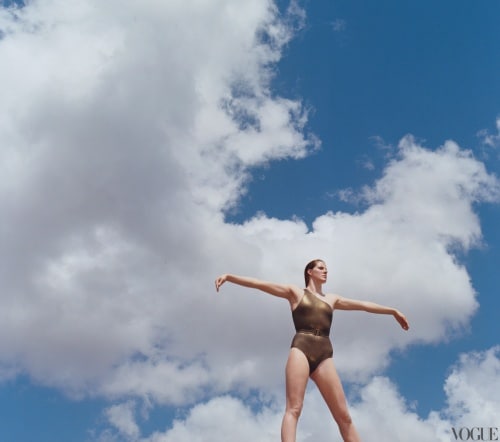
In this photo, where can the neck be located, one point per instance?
(314, 286)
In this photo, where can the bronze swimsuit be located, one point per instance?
(312, 319)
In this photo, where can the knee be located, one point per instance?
(294, 409)
(343, 418)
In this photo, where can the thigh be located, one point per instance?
(297, 375)
(330, 387)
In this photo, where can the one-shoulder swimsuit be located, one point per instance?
(312, 319)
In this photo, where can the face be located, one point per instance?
(319, 272)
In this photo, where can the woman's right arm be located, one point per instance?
(290, 292)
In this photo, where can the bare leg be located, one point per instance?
(330, 387)
(297, 374)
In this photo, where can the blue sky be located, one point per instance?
(129, 186)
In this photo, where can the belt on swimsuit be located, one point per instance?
(314, 331)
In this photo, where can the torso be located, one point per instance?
(312, 313)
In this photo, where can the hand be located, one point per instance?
(219, 281)
(402, 320)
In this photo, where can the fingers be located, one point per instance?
(218, 282)
(404, 323)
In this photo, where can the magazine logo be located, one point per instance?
(475, 433)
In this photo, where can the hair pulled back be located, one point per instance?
(310, 265)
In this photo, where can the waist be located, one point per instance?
(314, 331)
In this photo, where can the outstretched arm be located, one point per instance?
(352, 304)
(289, 292)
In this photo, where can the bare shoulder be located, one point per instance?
(296, 293)
(332, 299)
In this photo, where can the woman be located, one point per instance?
(311, 350)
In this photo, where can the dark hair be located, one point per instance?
(309, 266)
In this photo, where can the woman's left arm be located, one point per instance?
(370, 307)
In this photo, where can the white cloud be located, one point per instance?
(473, 389)
(223, 418)
(142, 378)
(488, 139)
(129, 130)
(121, 416)
(121, 144)
(380, 412)
(384, 415)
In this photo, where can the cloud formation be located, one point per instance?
(129, 129)
(129, 132)
(380, 412)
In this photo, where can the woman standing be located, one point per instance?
(311, 350)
